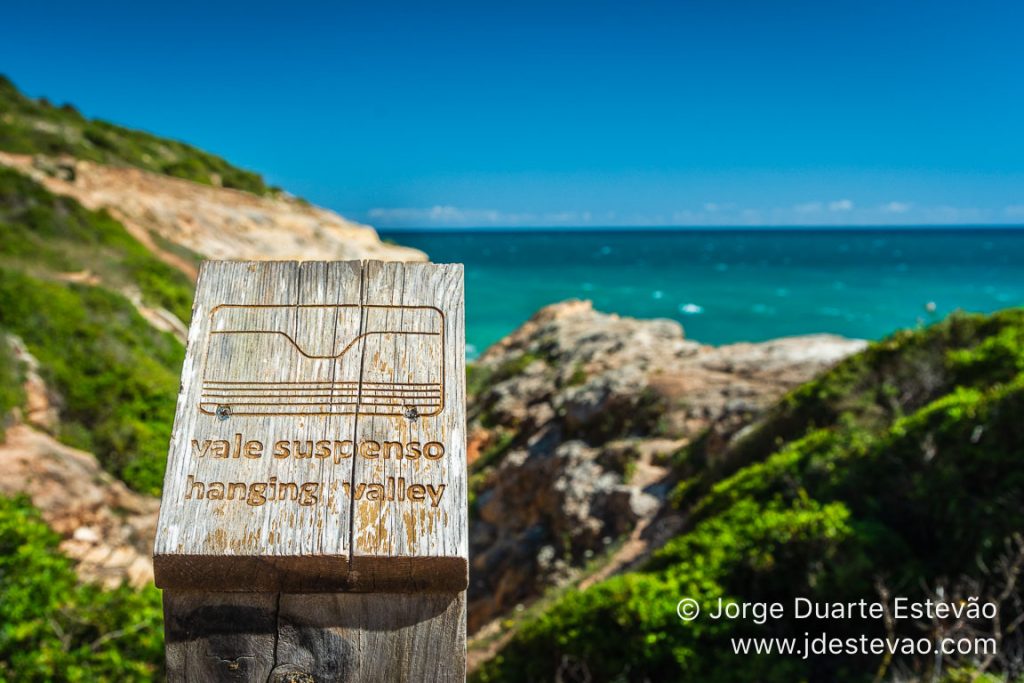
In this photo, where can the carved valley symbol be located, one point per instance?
(312, 359)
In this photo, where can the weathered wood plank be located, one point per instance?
(312, 395)
(245, 319)
(350, 637)
(416, 539)
(220, 636)
(374, 636)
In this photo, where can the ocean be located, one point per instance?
(733, 285)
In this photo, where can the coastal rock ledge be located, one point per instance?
(574, 421)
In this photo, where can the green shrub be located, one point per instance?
(578, 376)
(892, 378)
(12, 393)
(117, 375)
(54, 629)
(44, 233)
(626, 628)
(37, 127)
(901, 465)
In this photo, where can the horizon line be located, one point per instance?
(708, 228)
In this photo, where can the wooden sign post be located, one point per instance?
(314, 517)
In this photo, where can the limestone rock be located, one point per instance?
(106, 528)
(214, 222)
(576, 418)
(41, 407)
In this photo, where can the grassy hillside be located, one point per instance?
(44, 234)
(115, 375)
(898, 471)
(70, 281)
(29, 126)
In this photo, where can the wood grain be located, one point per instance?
(220, 637)
(315, 395)
(351, 637)
(391, 540)
(374, 636)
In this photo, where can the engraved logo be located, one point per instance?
(312, 359)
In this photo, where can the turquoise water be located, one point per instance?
(728, 286)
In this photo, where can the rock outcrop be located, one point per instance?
(161, 211)
(574, 418)
(105, 527)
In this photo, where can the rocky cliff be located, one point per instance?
(106, 528)
(574, 418)
(173, 217)
(895, 473)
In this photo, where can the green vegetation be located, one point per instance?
(900, 469)
(117, 375)
(30, 126)
(179, 250)
(50, 235)
(12, 394)
(68, 280)
(479, 377)
(578, 376)
(54, 629)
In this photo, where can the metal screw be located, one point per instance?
(223, 412)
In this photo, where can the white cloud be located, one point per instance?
(833, 213)
(441, 214)
(817, 207)
(751, 217)
(957, 215)
(896, 207)
(446, 215)
(808, 207)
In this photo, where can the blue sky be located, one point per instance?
(589, 113)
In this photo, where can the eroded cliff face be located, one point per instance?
(575, 419)
(106, 528)
(213, 222)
